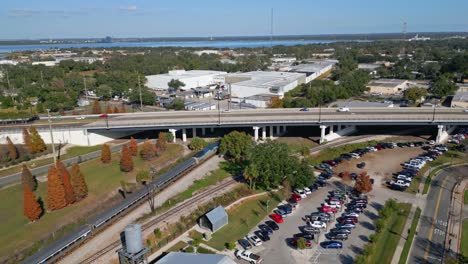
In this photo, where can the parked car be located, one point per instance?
(331, 244)
(248, 256)
(272, 225)
(327, 209)
(286, 208)
(332, 205)
(280, 212)
(361, 165)
(341, 230)
(277, 218)
(296, 197)
(307, 236)
(351, 220)
(254, 240)
(263, 235)
(312, 230)
(346, 225)
(266, 228)
(300, 192)
(305, 109)
(244, 243)
(336, 236)
(350, 215)
(307, 190)
(317, 224)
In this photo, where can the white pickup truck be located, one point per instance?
(248, 256)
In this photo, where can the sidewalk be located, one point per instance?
(404, 236)
(455, 225)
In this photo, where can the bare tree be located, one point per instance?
(151, 188)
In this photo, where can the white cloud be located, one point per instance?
(128, 8)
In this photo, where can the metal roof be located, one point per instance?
(217, 217)
(460, 97)
(192, 258)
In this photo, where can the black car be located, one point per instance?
(336, 236)
(361, 165)
(307, 236)
(313, 188)
(272, 225)
(341, 231)
(286, 208)
(266, 228)
(353, 176)
(263, 235)
(244, 243)
(321, 183)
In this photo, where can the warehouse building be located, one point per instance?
(460, 99)
(313, 70)
(262, 82)
(260, 100)
(387, 86)
(191, 79)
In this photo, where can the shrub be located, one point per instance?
(190, 249)
(230, 245)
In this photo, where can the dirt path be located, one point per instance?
(112, 233)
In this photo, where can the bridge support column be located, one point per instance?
(256, 133)
(271, 133)
(211, 129)
(203, 131)
(440, 133)
(278, 131)
(184, 135)
(173, 132)
(194, 132)
(331, 129)
(322, 133)
(263, 133)
(285, 129)
(339, 127)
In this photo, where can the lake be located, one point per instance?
(230, 44)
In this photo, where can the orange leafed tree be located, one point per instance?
(133, 146)
(69, 192)
(148, 151)
(161, 144)
(363, 183)
(126, 162)
(96, 108)
(12, 151)
(27, 179)
(31, 207)
(55, 190)
(116, 110)
(78, 182)
(276, 102)
(105, 154)
(27, 139)
(108, 109)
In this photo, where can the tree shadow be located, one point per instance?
(364, 238)
(346, 259)
(367, 225)
(371, 215)
(356, 250)
(377, 206)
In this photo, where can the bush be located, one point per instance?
(189, 249)
(142, 176)
(230, 245)
(196, 242)
(157, 233)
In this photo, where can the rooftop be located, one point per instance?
(311, 67)
(261, 97)
(268, 79)
(181, 74)
(386, 82)
(184, 258)
(460, 97)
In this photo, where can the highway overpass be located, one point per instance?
(269, 122)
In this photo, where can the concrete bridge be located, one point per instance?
(267, 122)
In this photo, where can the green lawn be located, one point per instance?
(387, 242)
(409, 241)
(464, 242)
(242, 218)
(177, 247)
(465, 197)
(71, 152)
(204, 250)
(103, 180)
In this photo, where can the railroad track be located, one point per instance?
(172, 211)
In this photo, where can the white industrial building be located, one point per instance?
(191, 79)
(313, 70)
(263, 82)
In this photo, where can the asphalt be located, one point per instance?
(429, 244)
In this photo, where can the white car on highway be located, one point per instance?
(80, 118)
(343, 109)
(317, 224)
(300, 192)
(255, 240)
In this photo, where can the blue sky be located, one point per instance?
(24, 19)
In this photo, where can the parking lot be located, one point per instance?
(379, 165)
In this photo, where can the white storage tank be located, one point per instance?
(133, 238)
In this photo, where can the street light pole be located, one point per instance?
(51, 136)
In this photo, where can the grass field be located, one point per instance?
(17, 233)
(332, 153)
(242, 218)
(409, 241)
(464, 242)
(71, 152)
(387, 242)
(177, 247)
(465, 197)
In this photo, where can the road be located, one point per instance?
(290, 116)
(429, 244)
(15, 178)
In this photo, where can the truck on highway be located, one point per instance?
(248, 256)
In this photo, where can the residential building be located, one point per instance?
(387, 86)
(193, 258)
(263, 82)
(191, 79)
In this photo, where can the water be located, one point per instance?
(230, 44)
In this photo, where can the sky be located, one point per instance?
(33, 19)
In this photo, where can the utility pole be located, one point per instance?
(86, 89)
(141, 100)
(51, 136)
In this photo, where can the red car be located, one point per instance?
(328, 209)
(277, 218)
(296, 197)
(308, 243)
(331, 163)
(351, 220)
(378, 147)
(335, 200)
